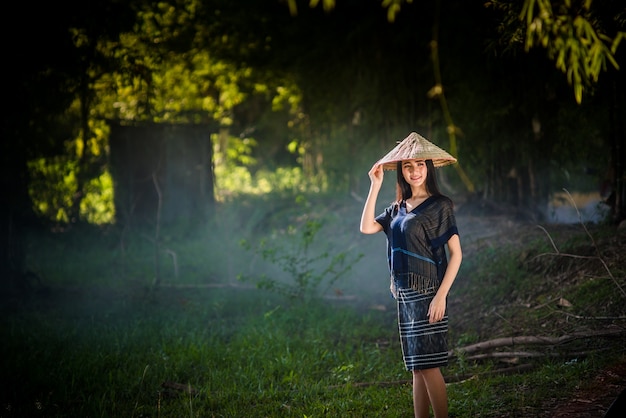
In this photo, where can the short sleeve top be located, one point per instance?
(416, 241)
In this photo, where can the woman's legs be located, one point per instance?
(421, 403)
(429, 389)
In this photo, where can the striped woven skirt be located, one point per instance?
(424, 345)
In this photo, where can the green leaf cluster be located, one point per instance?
(307, 268)
(573, 39)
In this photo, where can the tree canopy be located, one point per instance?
(518, 90)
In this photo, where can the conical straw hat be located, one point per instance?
(415, 146)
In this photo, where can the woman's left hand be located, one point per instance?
(437, 309)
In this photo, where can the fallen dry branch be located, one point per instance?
(527, 354)
(506, 354)
(532, 340)
(593, 318)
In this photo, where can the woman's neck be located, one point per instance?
(418, 197)
(419, 193)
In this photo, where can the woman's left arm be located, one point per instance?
(437, 308)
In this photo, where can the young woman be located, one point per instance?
(418, 226)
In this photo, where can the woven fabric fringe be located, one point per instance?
(417, 282)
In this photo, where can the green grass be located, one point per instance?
(102, 342)
(243, 353)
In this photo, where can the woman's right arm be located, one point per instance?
(368, 217)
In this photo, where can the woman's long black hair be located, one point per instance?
(403, 189)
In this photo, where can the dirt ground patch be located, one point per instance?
(594, 397)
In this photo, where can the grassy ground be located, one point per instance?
(101, 337)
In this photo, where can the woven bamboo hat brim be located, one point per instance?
(417, 147)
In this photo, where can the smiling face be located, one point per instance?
(415, 173)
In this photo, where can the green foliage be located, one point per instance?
(158, 72)
(497, 281)
(52, 185)
(393, 6)
(97, 206)
(571, 35)
(235, 174)
(55, 184)
(307, 271)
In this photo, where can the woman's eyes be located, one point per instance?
(419, 164)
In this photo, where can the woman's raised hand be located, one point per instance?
(376, 174)
(368, 219)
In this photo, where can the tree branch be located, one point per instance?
(532, 340)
